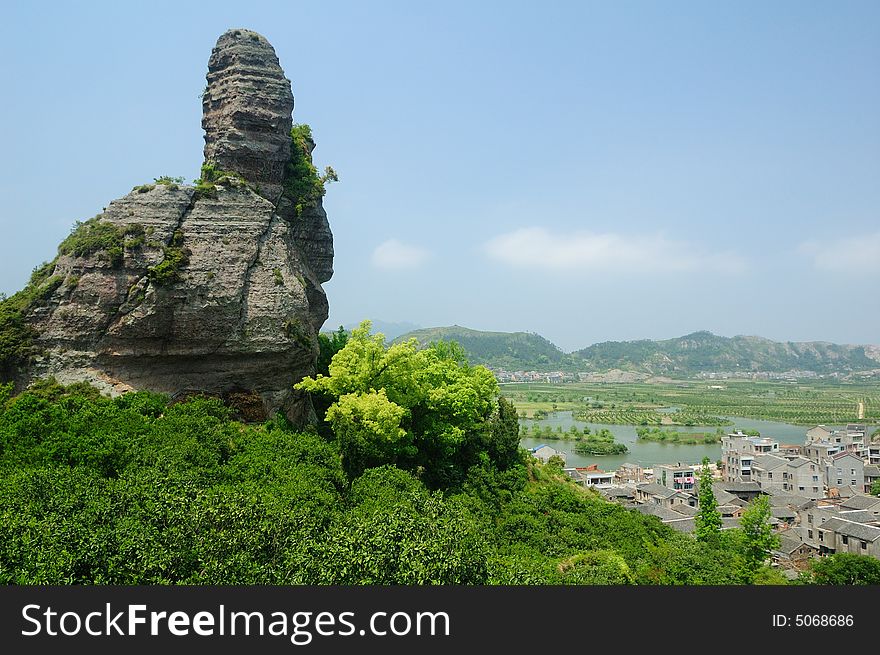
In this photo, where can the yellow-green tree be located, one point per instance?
(424, 410)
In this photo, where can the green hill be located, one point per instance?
(507, 350)
(687, 355)
(704, 351)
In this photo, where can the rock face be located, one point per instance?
(247, 109)
(236, 306)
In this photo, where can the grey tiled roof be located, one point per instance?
(733, 487)
(782, 513)
(663, 513)
(656, 490)
(789, 542)
(617, 492)
(857, 515)
(872, 470)
(851, 529)
(723, 497)
(769, 463)
(789, 500)
(860, 502)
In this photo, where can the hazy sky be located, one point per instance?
(588, 171)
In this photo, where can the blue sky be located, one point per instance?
(588, 171)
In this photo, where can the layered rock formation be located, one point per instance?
(214, 289)
(247, 108)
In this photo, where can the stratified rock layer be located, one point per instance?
(247, 109)
(242, 314)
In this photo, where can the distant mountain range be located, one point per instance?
(699, 352)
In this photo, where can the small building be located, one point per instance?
(678, 477)
(544, 452)
(818, 433)
(791, 549)
(804, 478)
(618, 494)
(872, 475)
(632, 473)
(840, 535)
(656, 494)
(845, 469)
(767, 471)
(591, 477)
(862, 502)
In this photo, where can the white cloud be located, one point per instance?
(536, 247)
(396, 255)
(845, 255)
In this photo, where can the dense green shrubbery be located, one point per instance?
(137, 490)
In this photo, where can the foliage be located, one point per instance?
(329, 345)
(211, 176)
(397, 532)
(758, 537)
(676, 437)
(176, 256)
(875, 488)
(599, 443)
(708, 518)
(507, 350)
(846, 569)
(303, 186)
(604, 567)
(171, 182)
(16, 336)
(423, 410)
(97, 236)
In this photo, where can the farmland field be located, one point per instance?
(697, 403)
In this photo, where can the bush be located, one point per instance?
(176, 256)
(303, 186)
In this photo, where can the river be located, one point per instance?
(649, 453)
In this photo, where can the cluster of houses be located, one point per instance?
(503, 375)
(819, 491)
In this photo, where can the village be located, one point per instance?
(820, 492)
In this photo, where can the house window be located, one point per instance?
(845, 540)
(810, 519)
(809, 534)
(815, 489)
(839, 482)
(864, 545)
(769, 476)
(852, 471)
(821, 535)
(801, 488)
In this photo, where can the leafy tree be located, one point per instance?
(875, 488)
(329, 345)
(758, 537)
(708, 518)
(502, 435)
(424, 410)
(846, 569)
